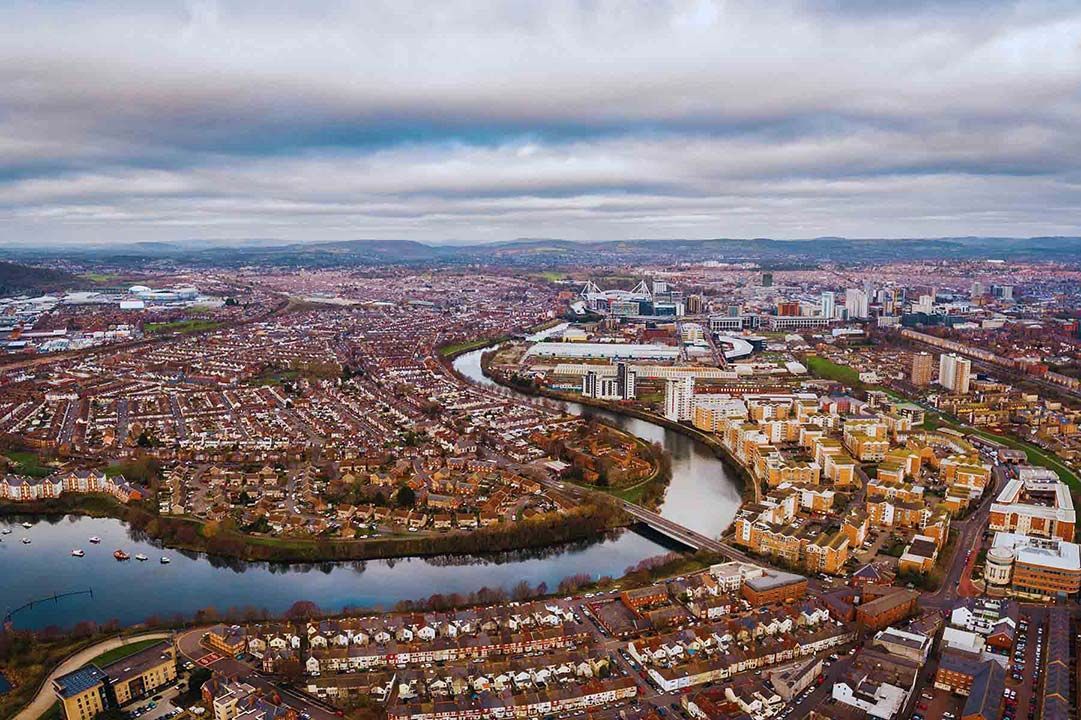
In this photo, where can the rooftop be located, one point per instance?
(1056, 554)
(78, 681)
(138, 663)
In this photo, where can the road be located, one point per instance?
(191, 648)
(969, 536)
(45, 697)
(821, 693)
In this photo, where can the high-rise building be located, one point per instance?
(825, 304)
(788, 308)
(695, 305)
(954, 373)
(856, 302)
(767, 279)
(889, 299)
(626, 381)
(679, 399)
(976, 290)
(622, 386)
(1002, 292)
(923, 367)
(925, 305)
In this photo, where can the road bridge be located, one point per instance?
(675, 531)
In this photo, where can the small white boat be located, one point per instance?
(95, 539)
(28, 525)
(165, 560)
(26, 541)
(77, 552)
(5, 531)
(140, 557)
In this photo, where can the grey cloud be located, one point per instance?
(579, 119)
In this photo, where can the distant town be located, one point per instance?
(902, 436)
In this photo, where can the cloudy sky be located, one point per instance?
(587, 119)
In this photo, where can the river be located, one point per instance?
(702, 496)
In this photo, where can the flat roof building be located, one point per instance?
(90, 690)
(609, 351)
(1036, 503)
(82, 693)
(1041, 567)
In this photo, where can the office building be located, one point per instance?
(925, 305)
(976, 290)
(1033, 567)
(826, 305)
(892, 607)
(773, 586)
(923, 365)
(788, 308)
(1034, 503)
(856, 302)
(695, 305)
(767, 279)
(1002, 292)
(679, 399)
(954, 373)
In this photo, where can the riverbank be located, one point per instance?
(585, 522)
(748, 487)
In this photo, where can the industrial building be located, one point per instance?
(607, 351)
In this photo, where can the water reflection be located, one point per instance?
(701, 496)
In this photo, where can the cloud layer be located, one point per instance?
(481, 121)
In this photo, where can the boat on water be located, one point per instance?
(26, 541)
(77, 552)
(5, 531)
(140, 557)
(28, 525)
(165, 560)
(95, 539)
(121, 555)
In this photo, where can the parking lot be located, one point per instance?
(935, 704)
(1023, 674)
(159, 705)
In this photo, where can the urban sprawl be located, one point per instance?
(906, 434)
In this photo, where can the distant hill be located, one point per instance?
(534, 252)
(16, 278)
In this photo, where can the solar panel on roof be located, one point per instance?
(80, 680)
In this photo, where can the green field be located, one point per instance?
(274, 377)
(180, 326)
(100, 278)
(1035, 455)
(824, 368)
(550, 275)
(27, 463)
(465, 346)
(122, 652)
